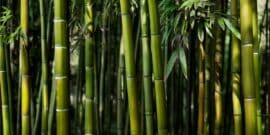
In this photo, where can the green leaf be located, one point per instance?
(221, 23)
(207, 29)
(170, 64)
(183, 60)
(188, 3)
(232, 28)
(200, 33)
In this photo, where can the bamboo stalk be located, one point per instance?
(45, 71)
(61, 67)
(130, 68)
(247, 67)
(235, 74)
(158, 68)
(89, 69)
(147, 75)
(24, 70)
(6, 125)
(257, 63)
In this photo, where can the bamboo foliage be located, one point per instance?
(61, 67)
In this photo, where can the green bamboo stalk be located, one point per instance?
(235, 74)
(45, 70)
(24, 70)
(158, 68)
(4, 90)
(247, 67)
(89, 68)
(257, 63)
(147, 74)
(61, 69)
(130, 68)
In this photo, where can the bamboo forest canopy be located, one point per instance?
(134, 67)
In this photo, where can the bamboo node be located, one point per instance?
(62, 110)
(58, 46)
(59, 20)
(4, 106)
(125, 14)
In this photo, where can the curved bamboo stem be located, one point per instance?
(45, 72)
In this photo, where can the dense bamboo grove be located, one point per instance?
(134, 67)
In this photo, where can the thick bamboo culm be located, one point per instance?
(130, 68)
(45, 71)
(147, 74)
(61, 67)
(247, 69)
(89, 69)
(24, 70)
(235, 74)
(6, 127)
(158, 68)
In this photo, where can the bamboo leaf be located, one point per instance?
(188, 3)
(170, 64)
(183, 61)
(200, 33)
(221, 23)
(207, 29)
(232, 28)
